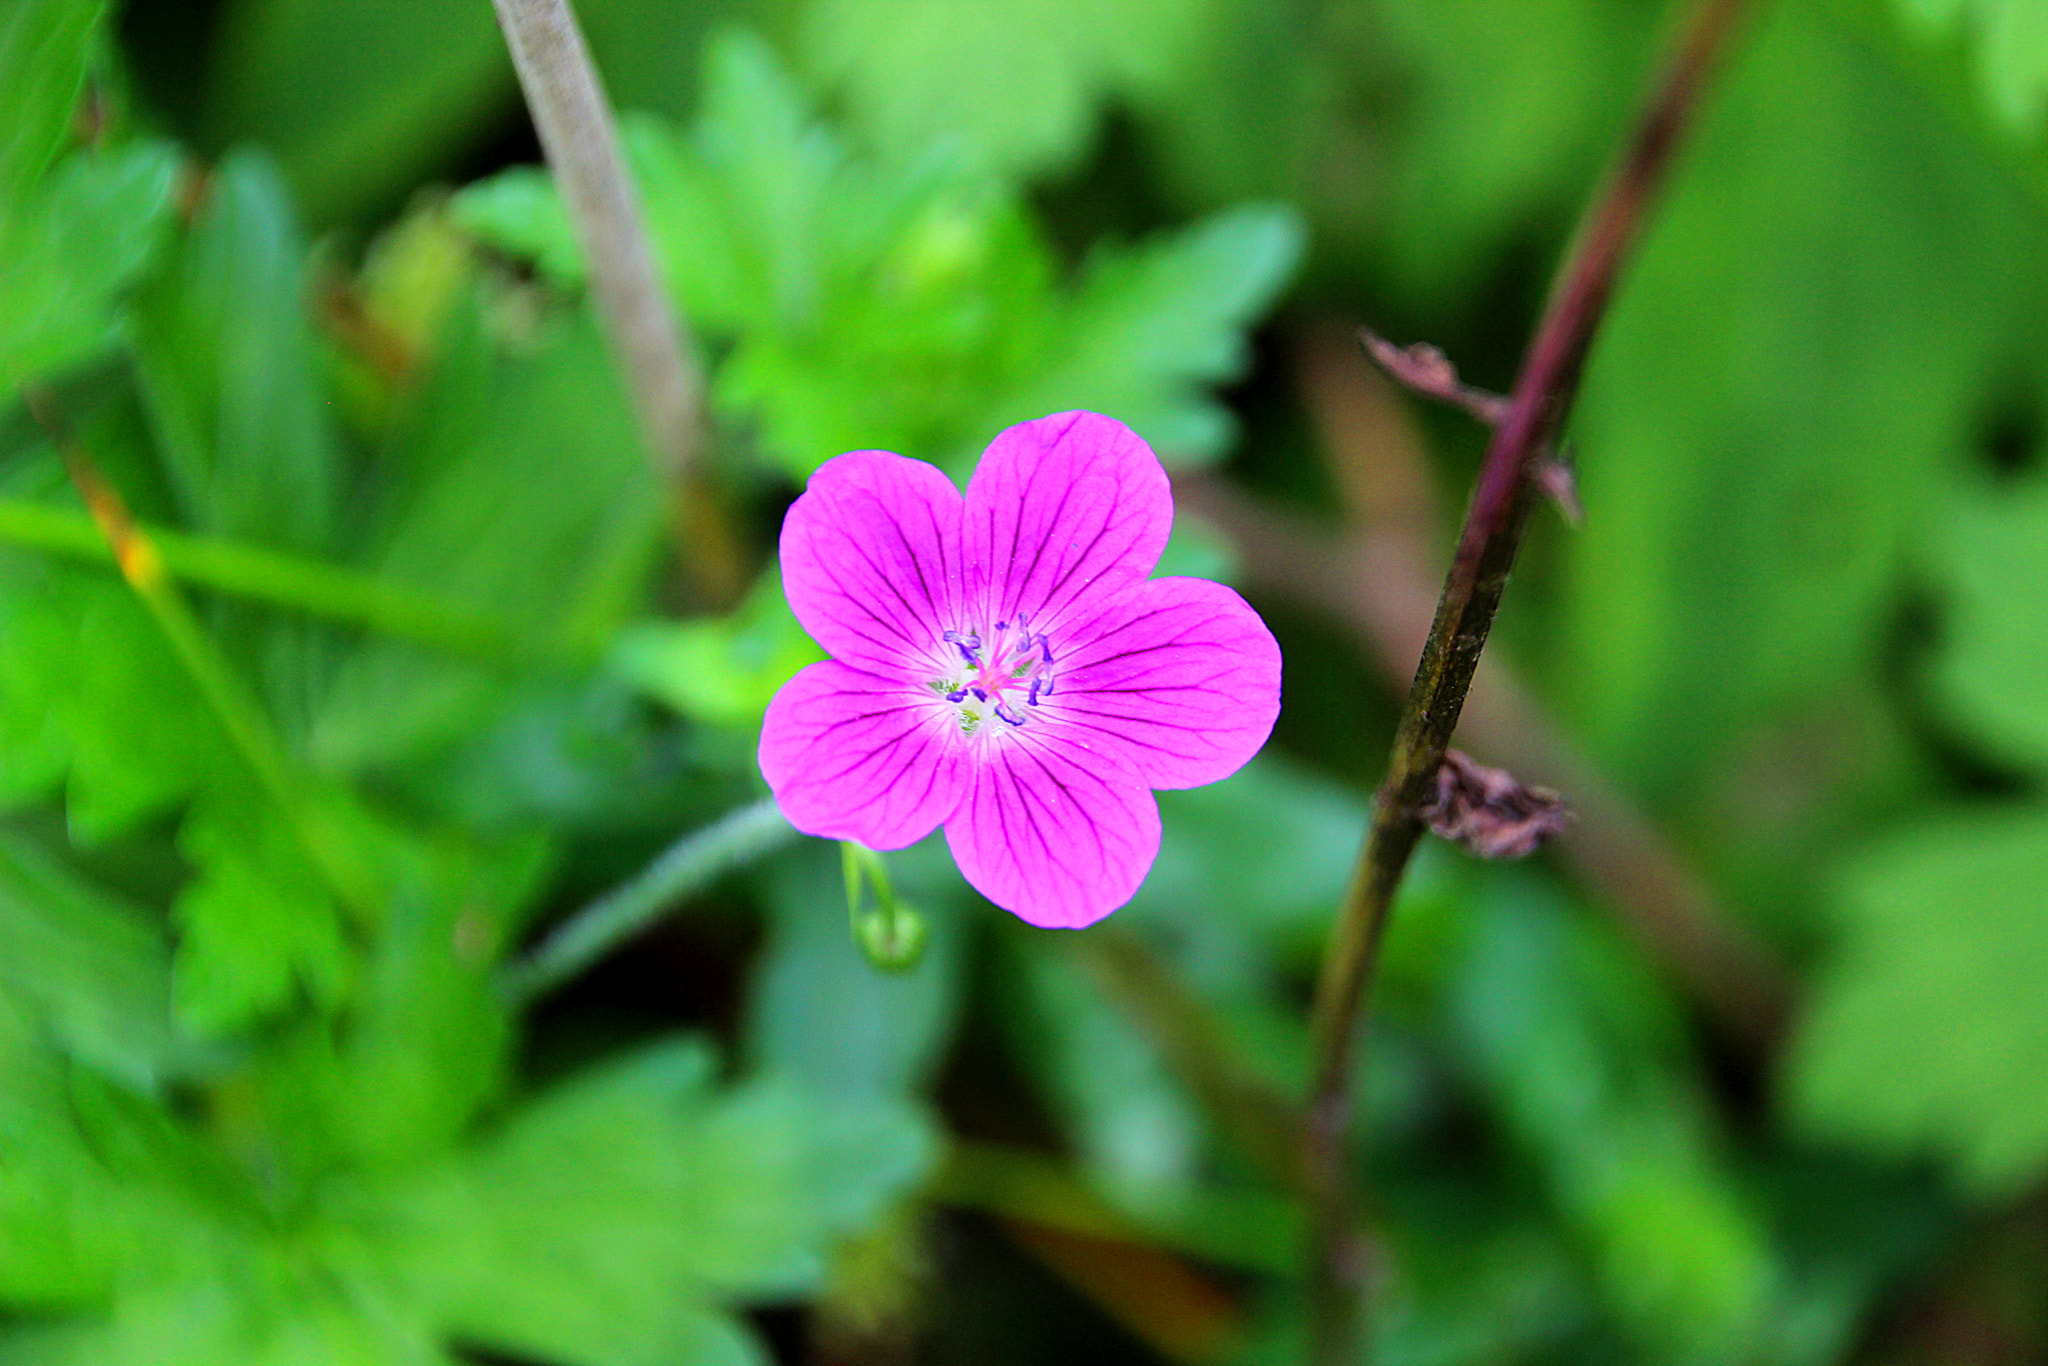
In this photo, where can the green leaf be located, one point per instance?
(426, 1029)
(91, 696)
(69, 245)
(357, 103)
(908, 304)
(1784, 381)
(1927, 1033)
(592, 1227)
(723, 670)
(258, 927)
(1135, 1129)
(1265, 852)
(1583, 1056)
(1019, 82)
(97, 1185)
(1148, 329)
(227, 369)
(44, 49)
(515, 486)
(2007, 42)
(93, 970)
(1991, 674)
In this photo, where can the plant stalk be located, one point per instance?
(265, 575)
(1486, 551)
(650, 343)
(141, 564)
(686, 866)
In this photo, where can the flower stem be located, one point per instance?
(1486, 551)
(141, 563)
(268, 576)
(684, 867)
(650, 343)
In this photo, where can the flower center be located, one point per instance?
(1004, 673)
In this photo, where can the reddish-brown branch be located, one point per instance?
(1486, 552)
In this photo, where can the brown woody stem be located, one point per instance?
(1486, 551)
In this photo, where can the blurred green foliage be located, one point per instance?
(271, 1086)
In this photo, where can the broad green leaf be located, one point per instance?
(44, 48)
(1266, 851)
(592, 1227)
(1149, 328)
(69, 245)
(362, 103)
(258, 926)
(515, 486)
(1019, 82)
(1928, 1033)
(1786, 377)
(227, 369)
(1583, 1058)
(91, 696)
(91, 968)
(263, 1306)
(1991, 567)
(820, 1012)
(1135, 1129)
(357, 102)
(426, 1029)
(97, 1184)
(2007, 42)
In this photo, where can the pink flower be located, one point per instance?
(1002, 666)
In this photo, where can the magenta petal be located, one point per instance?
(1062, 511)
(1053, 842)
(1178, 679)
(850, 756)
(871, 558)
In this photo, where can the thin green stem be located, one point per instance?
(141, 563)
(687, 866)
(262, 575)
(1486, 552)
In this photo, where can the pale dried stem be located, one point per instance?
(650, 343)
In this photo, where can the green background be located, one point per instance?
(278, 1083)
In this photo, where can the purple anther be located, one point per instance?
(1045, 679)
(1044, 650)
(979, 695)
(1002, 626)
(1007, 713)
(1036, 684)
(965, 644)
(957, 695)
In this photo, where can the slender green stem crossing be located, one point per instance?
(686, 866)
(263, 575)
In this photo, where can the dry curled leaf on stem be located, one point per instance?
(1490, 812)
(1426, 370)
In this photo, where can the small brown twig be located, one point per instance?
(650, 343)
(1428, 371)
(1378, 583)
(1486, 552)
